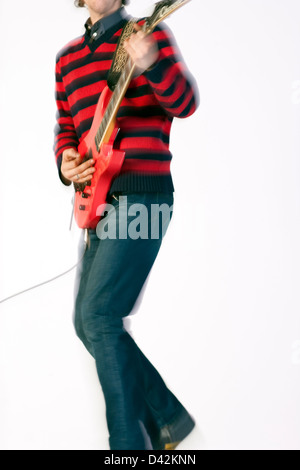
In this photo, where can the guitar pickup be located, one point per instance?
(85, 195)
(82, 208)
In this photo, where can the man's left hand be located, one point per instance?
(142, 49)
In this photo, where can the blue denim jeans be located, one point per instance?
(141, 412)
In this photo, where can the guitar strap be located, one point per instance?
(120, 55)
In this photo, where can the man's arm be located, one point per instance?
(65, 134)
(158, 57)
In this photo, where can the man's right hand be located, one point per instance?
(73, 170)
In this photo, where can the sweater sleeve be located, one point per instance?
(65, 133)
(174, 87)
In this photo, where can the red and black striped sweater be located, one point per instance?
(145, 116)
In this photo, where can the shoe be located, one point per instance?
(171, 435)
(172, 445)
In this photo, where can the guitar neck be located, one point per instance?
(114, 104)
(162, 10)
(111, 111)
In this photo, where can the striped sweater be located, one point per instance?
(146, 113)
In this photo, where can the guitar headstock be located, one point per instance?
(162, 10)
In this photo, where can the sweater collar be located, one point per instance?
(101, 26)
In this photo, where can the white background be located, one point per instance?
(220, 316)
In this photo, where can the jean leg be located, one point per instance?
(81, 280)
(134, 391)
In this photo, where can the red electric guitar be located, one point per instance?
(98, 143)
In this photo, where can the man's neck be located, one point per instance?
(96, 16)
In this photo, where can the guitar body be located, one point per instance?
(108, 163)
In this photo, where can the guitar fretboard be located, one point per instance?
(114, 103)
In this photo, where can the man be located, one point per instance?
(114, 270)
